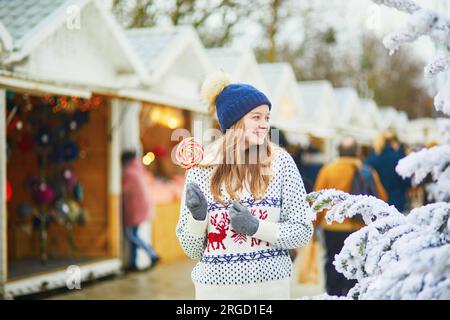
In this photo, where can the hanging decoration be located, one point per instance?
(48, 126)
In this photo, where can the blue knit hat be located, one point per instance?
(231, 100)
(235, 101)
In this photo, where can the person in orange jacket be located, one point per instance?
(339, 175)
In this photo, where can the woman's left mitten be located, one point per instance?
(242, 221)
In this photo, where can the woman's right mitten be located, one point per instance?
(196, 201)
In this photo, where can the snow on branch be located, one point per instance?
(425, 275)
(441, 64)
(341, 205)
(435, 162)
(423, 22)
(398, 256)
(407, 6)
(394, 256)
(426, 161)
(442, 100)
(444, 127)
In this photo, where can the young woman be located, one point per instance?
(244, 206)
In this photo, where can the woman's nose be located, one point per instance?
(264, 124)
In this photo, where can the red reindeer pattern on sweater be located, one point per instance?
(222, 226)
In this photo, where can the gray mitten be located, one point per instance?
(196, 201)
(242, 221)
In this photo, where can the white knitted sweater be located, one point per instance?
(228, 258)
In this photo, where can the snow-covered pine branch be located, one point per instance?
(420, 23)
(394, 256)
(424, 276)
(434, 161)
(442, 99)
(444, 127)
(441, 64)
(341, 205)
(419, 164)
(407, 6)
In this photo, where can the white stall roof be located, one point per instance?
(320, 101)
(23, 19)
(68, 41)
(368, 116)
(348, 103)
(421, 131)
(283, 91)
(388, 114)
(240, 63)
(160, 48)
(175, 61)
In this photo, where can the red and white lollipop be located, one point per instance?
(189, 153)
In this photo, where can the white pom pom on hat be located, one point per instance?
(214, 85)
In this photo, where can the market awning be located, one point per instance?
(15, 81)
(151, 97)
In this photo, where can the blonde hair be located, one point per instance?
(380, 142)
(237, 165)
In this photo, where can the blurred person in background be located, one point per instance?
(137, 205)
(347, 173)
(387, 152)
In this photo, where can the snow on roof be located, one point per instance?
(421, 131)
(22, 18)
(240, 63)
(272, 73)
(344, 96)
(283, 91)
(388, 115)
(392, 117)
(6, 41)
(160, 47)
(29, 23)
(312, 92)
(152, 44)
(371, 110)
(226, 58)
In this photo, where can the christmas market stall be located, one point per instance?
(60, 218)
(289, 108)
(393, 119)
(354, 119)
(320, 117)
(240, 63)
(422, 132)
(170, 109)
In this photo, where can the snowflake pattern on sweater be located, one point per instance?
(228, 257)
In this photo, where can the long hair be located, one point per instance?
(238, 167)
(382, 139)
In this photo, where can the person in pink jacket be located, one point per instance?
(137, 205)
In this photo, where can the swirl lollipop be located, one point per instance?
(189, 153)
